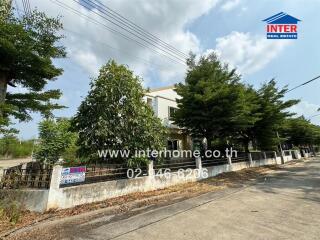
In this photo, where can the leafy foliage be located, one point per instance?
(114, 116)
(214, 103)
(217, 106)
(300, 132)
(11, 147)
(274, 111)
(56, 139)
(27, 47)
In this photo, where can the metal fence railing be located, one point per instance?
(37, 175)
(270, 154)
(287, 152)
(257, 155)
(175, 165)
(14, 178)
(214, 162)
(110, 172)
(240, 157)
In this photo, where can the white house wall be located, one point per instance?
(163, 107)
(161, 101)
(166, 93)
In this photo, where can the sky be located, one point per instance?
(233, 29)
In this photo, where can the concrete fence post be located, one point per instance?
(264, 155)
(298, 154)
(1, 173)
(24, 166)
(150, 169)
(53, 195)
(250, 159)
(198, 163)
(275, 155)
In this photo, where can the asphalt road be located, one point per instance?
(284, 205)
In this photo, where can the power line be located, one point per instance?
(119, 18)
(105, 44)
(116, 49)
(108, 12)
(104, 16)
(314, 116)
(17, 8)
(92, 20)
(26, 7)
(305, 83)
(29, 6)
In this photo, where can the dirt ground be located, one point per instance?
(49, 224)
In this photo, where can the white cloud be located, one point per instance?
(90, 46)
(308, 110)
(229, 5)
(249, 53)
(244, 9)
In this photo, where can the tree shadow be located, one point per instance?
(301, 181)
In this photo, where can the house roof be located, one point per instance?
(281, 18)
(161, 89)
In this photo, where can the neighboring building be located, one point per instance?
(163, 102)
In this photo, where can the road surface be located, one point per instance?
(13, 162)
(284, 205)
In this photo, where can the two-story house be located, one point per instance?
(163, 102)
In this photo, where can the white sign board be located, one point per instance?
(73, 175)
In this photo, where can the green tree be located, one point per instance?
(55, 140)
(251, 107)
(301, 132)
(273, 110)
(27, 47)
(114, 116)
(214, 103)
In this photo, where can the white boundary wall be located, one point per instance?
(60, 198)
(67, 197)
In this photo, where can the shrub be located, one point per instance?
(10, 207)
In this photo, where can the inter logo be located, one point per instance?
(282, 26)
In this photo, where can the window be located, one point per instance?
(173, 145)
(149, 101)
(172, 110)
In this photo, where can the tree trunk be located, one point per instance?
(246, 144)
(209, 142)
(3, 91)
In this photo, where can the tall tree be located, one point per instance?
(251, 107)
(214, 104)
(27, 47)
(273, 111)
(114, 116)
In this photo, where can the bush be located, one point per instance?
(10, 208)
(56, 141)
(11, 147)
